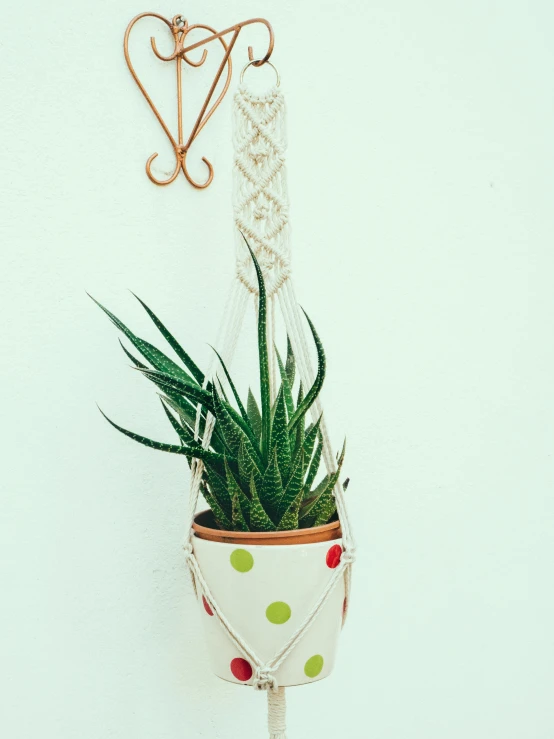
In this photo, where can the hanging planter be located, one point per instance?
(266, 583)
(270, 558)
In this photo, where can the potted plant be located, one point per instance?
(271, 539)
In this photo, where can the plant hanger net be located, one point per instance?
(261, 214)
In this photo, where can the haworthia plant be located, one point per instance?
(261, 465)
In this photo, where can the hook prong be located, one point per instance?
(155, 180)
(198, 185)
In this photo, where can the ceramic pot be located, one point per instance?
(266, 584)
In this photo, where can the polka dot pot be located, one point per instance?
(266, 592)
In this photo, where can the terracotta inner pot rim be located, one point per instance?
(203, 530)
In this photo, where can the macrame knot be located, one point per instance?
(349, 556)
(264, 679)
(187, 548)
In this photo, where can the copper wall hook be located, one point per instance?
(180, 29)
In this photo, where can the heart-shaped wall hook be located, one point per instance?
(179, 29)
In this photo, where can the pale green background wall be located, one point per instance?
(421, 175)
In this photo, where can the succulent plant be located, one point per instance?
(262, 460)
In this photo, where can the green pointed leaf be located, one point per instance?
(219, 489)
(299, 432)
(325, 507)
(313, 468)
(157, 359)
(289, 521)
(312, 496)
(183, 406)
(315, 460)
(240, 406)
(184, 435)
(174, 344)
(294, 485)
(239, 521)
(310, 438)
(186, 412)
(248, 466)
(133, 359)
(313, 392)
(290, 365)
(196, 452)
(220, 516)
(245, 506)
(263, 356)
(173, 384)
(195, 394)
(287, 391)
(231, 431)
(321, 503)
(280, 436)
(272, 488)
(254, 416)
(259, 520)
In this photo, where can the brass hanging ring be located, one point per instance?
(259, 63)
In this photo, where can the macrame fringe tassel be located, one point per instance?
(276, 713)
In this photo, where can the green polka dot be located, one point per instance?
(242, 560)
(313, 666)
(278, 612)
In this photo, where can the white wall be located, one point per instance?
(421, 170)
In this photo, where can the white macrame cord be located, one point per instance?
(261, 213)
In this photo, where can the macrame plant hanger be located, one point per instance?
(261, 214)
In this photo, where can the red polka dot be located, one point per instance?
(241, 669)
(333, 556)
(207, 607)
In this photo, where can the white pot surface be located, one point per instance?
(266, 592)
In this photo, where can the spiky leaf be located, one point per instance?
(218, 488)
(321, 504)
(130, 356)
(254, 415)
(259, 520)
(170, 384)
(239, 520)
(313, 466)
(287, 390)
(290, 520)
(313, 392)
(279, 435)
(290, 365)
(263, 357)
(248, 466)
(182, 432)
(240, 406)
(271, 490)
(294, 485)
(174, 344)
(221, 518)
(298, 433)
(157, 359)
(312, 434)
(231, 431)
(324, 509)
(193, 452)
